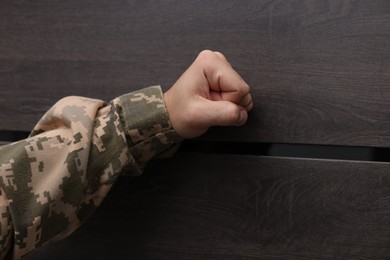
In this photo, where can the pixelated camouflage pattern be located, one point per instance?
(54, 180)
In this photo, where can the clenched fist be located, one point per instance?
(209, 93)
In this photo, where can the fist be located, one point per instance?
(209, 93)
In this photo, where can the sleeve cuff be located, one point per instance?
(149, 132)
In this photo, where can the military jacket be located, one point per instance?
(53, 181)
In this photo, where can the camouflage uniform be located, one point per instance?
(54, 180)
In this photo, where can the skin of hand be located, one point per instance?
(209, 93)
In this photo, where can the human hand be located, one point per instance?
(209, 93)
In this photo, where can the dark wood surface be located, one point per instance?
(239, 207)
(320, 74)
(319, 70)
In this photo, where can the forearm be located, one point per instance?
(58, 176)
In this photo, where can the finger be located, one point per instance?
(238, 93)
(223, 113)
(247, 102)
(222, 77)
(249, 107)
(221, 56)
(216, 96)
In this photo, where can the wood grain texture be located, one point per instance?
(319, 70)
(240, 207)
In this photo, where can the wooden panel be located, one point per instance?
(240, 207)
(320, 70)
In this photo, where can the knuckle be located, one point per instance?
(207, 57)
(205, 54)
(220, 55)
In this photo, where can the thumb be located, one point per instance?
(224, 113)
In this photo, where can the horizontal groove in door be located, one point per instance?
(290, 150)
(337, 152)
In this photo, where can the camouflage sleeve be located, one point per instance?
(52, 181)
